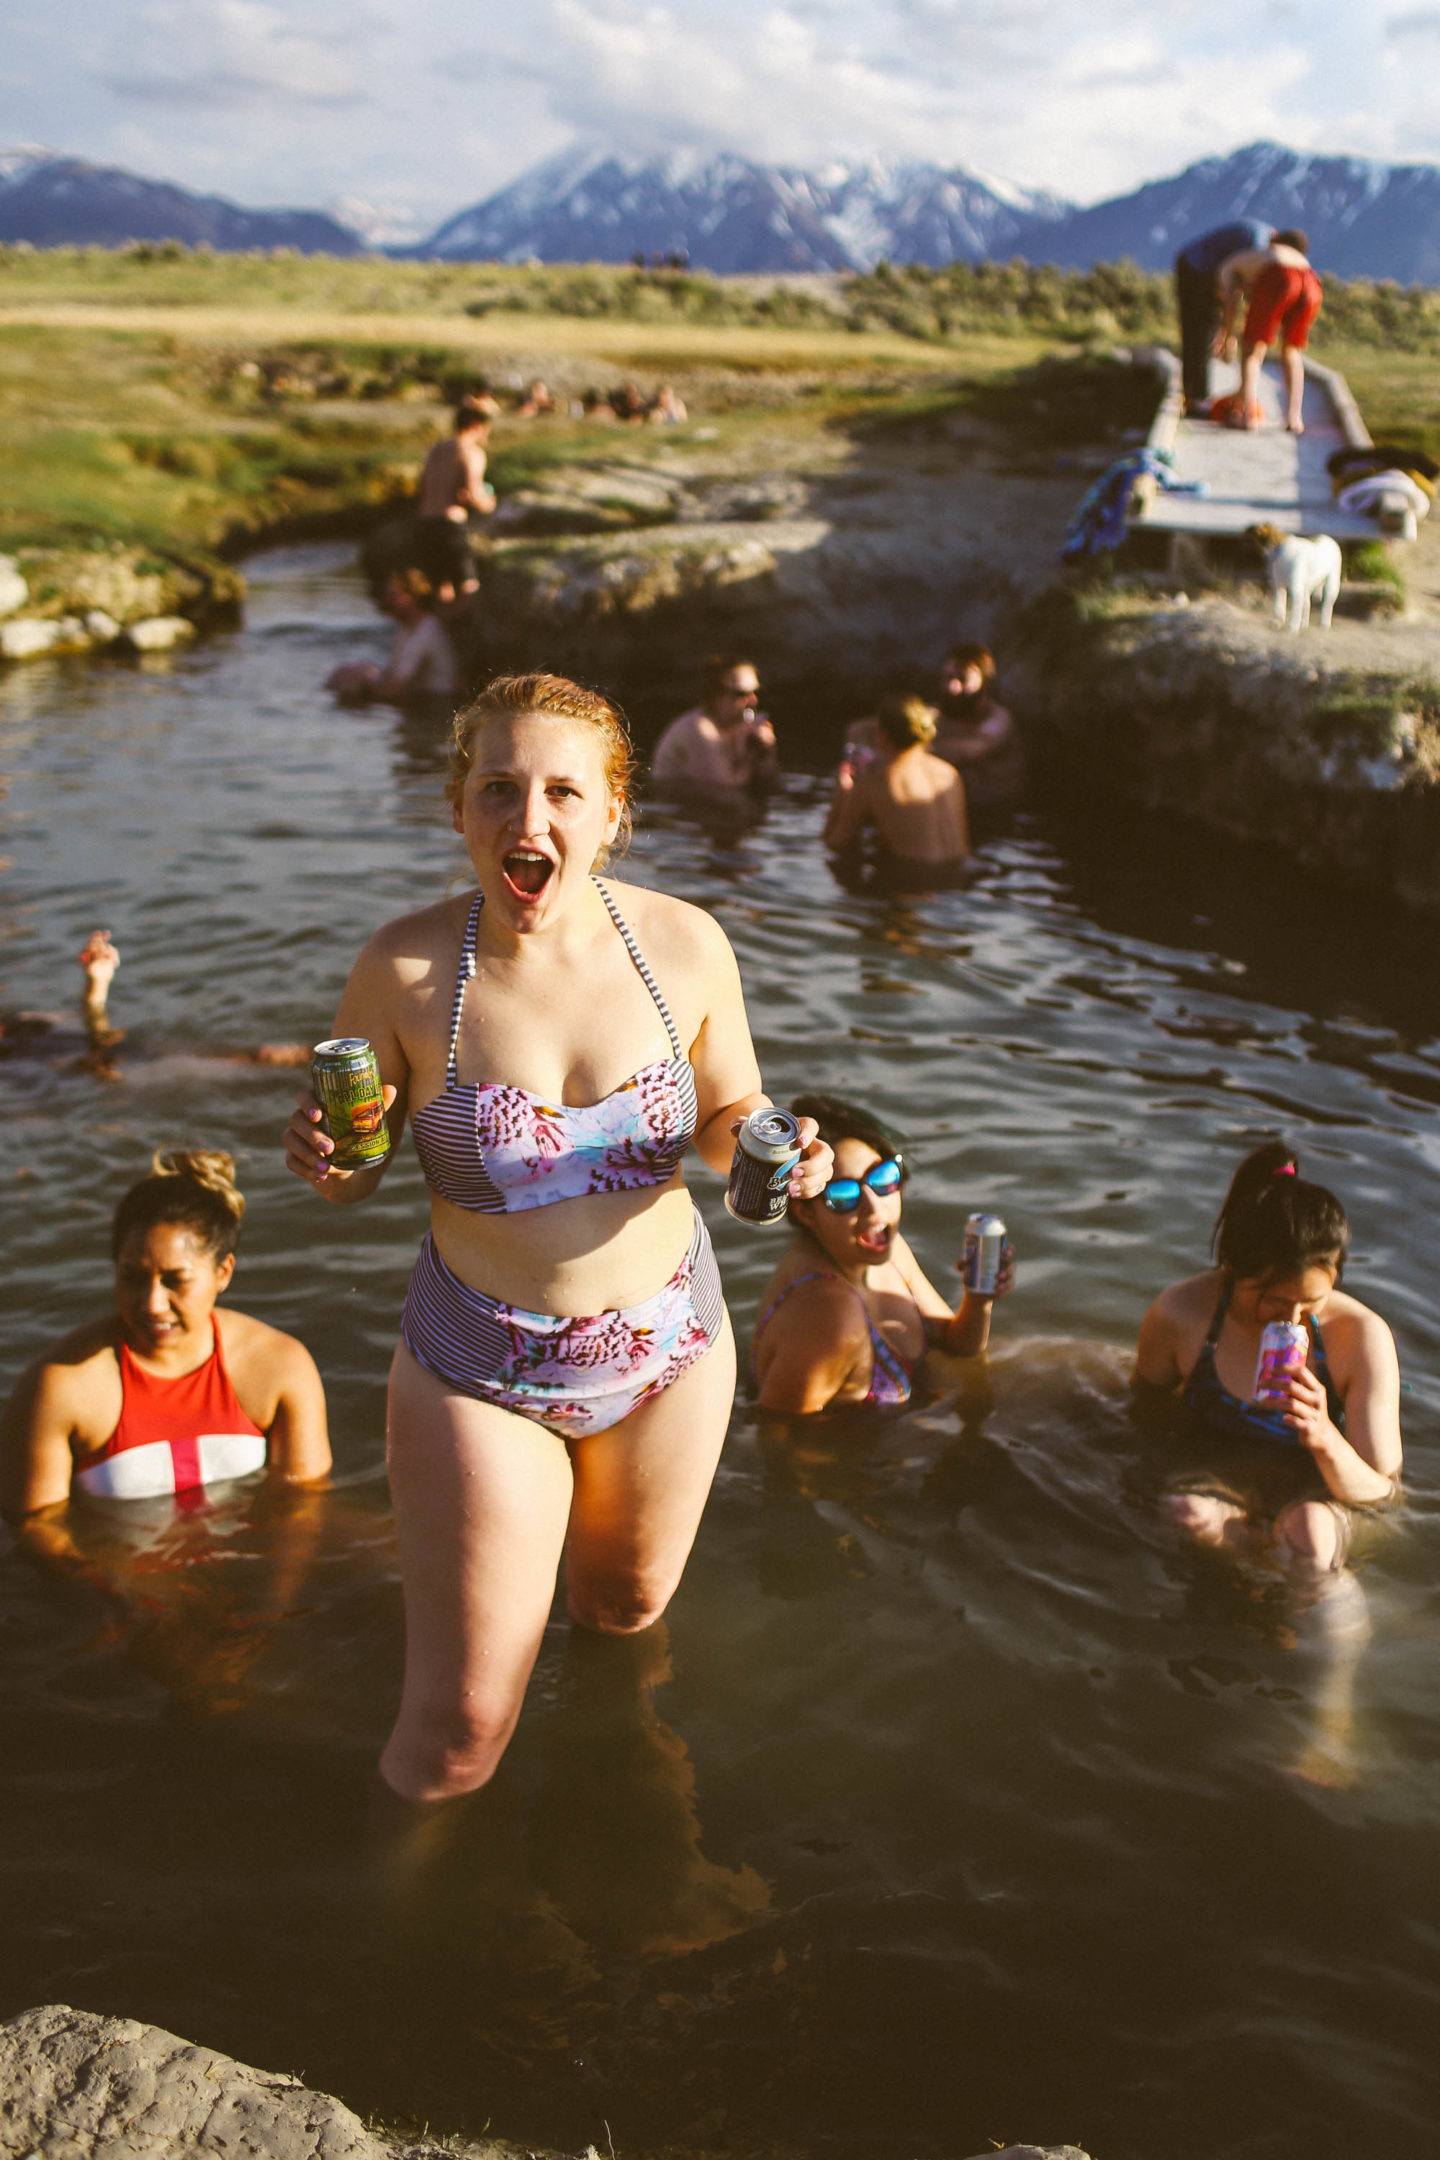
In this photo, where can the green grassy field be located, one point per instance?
(169, 399)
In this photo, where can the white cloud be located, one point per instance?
(230, 52)
(258, 98)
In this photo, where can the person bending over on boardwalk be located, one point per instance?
(565, 1369)
(166, 1392)
(1283, 297)
(723, 745)
(849, 1313)
(453, 488)
(1285, 1470)
(421, 667)
(976, 733)
(1198, 301)
(913, 802)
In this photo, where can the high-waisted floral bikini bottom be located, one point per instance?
(572, 1375)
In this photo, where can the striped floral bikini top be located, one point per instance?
(496, 1149)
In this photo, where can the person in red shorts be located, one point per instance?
(1283, 298)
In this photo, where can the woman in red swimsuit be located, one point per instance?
(166, 1394)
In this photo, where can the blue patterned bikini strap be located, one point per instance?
(463, 974)
(642, 966)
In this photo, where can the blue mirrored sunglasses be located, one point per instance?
(842, 1194)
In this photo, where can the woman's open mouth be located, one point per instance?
(875, 1240)
(526, 872)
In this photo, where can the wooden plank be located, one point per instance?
(1264, 477)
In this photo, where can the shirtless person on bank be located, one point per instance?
(452, 488)
(723, 745)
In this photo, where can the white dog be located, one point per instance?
(1300, 571)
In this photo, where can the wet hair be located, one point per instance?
(1292, 237)
(1274, 1222)
(717, 666)
(968, 655)
(905, 721)
(195, 1189)
(560, 699)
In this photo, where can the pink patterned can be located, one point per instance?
(1284, 1348)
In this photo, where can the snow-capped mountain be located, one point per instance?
(730, 213)
(1363, 218)
(726, 213)
(55, 201)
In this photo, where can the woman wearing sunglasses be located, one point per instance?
(849, 1314)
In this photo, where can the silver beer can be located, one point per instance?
(767, 1148)
(984, 1254)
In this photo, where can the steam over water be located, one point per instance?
(954, 1802)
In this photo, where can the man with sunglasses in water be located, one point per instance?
(849, 1313)
(724, 745)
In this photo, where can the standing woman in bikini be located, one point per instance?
(566, 1369)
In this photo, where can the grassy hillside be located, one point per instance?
(175, 400)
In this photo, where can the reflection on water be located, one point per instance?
(956, 1801)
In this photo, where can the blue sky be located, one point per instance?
(419, 110)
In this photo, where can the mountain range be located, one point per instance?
(54, 201)
(724, 212)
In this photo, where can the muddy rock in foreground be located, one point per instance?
(77, 2086)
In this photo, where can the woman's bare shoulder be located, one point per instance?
(406, 949)
(670, 930)
(1192, 1299)
(249, 1339)
(90, 1344)
(1346, 1320)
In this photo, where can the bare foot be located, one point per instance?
(1294, 427)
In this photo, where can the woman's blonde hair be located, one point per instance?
(905, 720)
(557, 698)
(192, 1187)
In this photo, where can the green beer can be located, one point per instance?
(345, 1075)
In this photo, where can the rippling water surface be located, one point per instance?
(953, 1803)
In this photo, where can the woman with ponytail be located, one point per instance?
(166, 1393)
(1330, 1442)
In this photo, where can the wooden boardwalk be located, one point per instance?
(1263, 478)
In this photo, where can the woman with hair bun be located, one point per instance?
(1330, 1442)
(912, 802)
(167, 1393)
(566, 1370)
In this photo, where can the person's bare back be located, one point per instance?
(911, 800)
(916, 804)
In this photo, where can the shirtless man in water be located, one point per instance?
(725, 743)
(913, 801)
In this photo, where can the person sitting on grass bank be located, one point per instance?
(849, 1313)
(1288, 1470)
(913, 802)
(1283, 297)
(166, 1393)
(421, 666)
(723, 745)
(453, 488)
